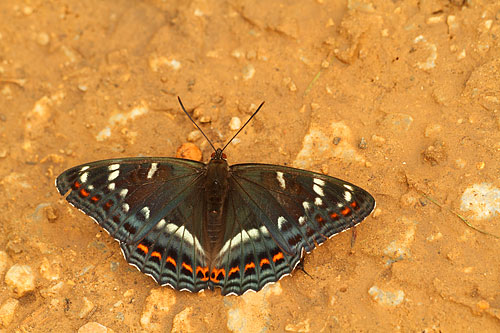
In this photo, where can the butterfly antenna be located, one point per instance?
(195, 124)
(242, 127)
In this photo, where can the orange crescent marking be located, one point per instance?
(250, 265)
(203, 271)
(346, 211)
(77, 184)
(156, 254)
(108, 204)
(188, 267)
(95, 198)
(264, 261)
(333, 215)
(319, 219)
(216, 273)
(143, 248)
(354, 204)
(84, 193)
(233, 270)
(278, 256)
(172, 261)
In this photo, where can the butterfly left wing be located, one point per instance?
(273, 213)
(151, 206)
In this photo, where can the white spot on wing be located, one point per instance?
(161, 224)
(84, 168)
(302, 220)
(184, 234)
(114, 167)
(347, 196)
(318, 201)
(306, 205)
(84, 177)
(243, 237)
(318, 190)
(281, 221)
(90, 187)
(281, 180)
(145, 211)
(152, 170)
(123, 193)
(349, 187)
(113, 175)
(171, 228)
(264, 231)
(125, 207)
(111, 186)
(319, 182)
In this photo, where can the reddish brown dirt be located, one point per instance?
(426, 106)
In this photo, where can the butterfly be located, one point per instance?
(196, 226)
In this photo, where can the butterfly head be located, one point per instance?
(218, 155)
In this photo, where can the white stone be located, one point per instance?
(235, 124)
(20, 279)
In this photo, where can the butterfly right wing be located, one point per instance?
(152, 207)
(273, 214)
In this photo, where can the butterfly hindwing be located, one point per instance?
(151, 206)
(172, 252)
(250, 258)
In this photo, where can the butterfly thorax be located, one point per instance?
(216, 188)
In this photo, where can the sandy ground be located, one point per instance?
(410, 88)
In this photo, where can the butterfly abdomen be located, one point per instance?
(216, 188)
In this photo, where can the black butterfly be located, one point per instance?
(194, 226)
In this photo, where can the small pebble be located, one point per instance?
(205, 119)
(87, 307)
(384, 297)
(235, 124)
(42, 38)
(20, 279)
(480, 165)
(50, 214)
(7, 312)
(128, 293)
(27, 10)
(194, 136)
(190, 151)
(83, 87)
(324, 169)
(336, 140)
(435, 154)
(483, 305)
(50, 270)
(315, 106)
(248, 72)
(362, 143)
